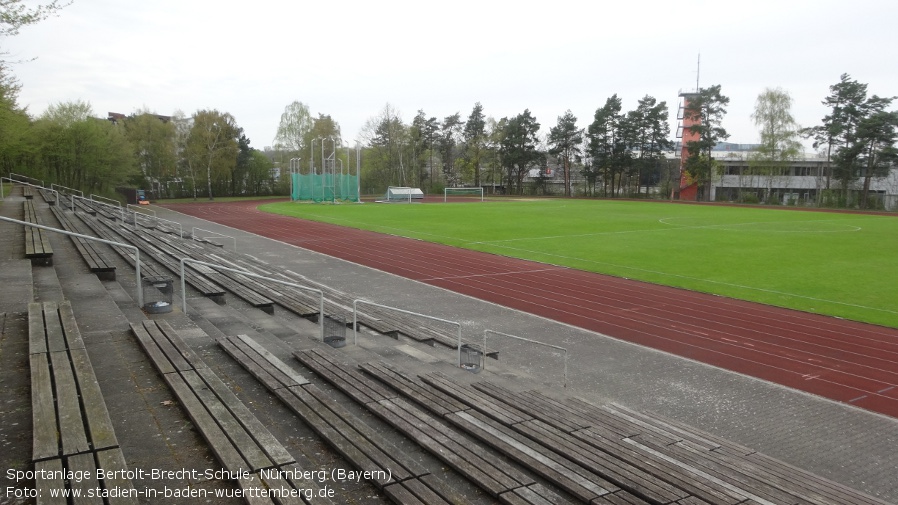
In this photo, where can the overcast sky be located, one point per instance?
(350, 58)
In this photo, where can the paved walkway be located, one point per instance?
(841, 442)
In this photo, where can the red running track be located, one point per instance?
(842, 360)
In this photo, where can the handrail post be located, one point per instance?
(564, 350)
(355, 310)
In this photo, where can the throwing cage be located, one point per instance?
(330, 184)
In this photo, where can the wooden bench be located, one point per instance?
(765, 476)
(631, 468)
(37, 242)
(89, 250)
(48, 196)
(82, 205)
(173, 249)
(235, 435)
(28, 192)
(478, 464)
(467, 416)
(649, 450)
(337, 304)
(149, 251)
(72, 430)
(70, 415)
(365, 448)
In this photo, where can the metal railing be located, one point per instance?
(70, 190)
(26, 184)
(116, 202)
(250, 274)
(95, 239)
(499, 333)
(355, 321)
(25, 177)
(140, 209)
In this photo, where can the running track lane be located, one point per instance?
(842, 360)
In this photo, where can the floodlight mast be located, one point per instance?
(294, 169)
(358, 168)
(333, 158)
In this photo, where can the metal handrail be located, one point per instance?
(141, 207)
(26, 184)
(71, 190)
(95, 239)
(355, 321)
(117, 203)
(26, 177)
(485, 332)
(250, 274)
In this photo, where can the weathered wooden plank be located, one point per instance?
(45, 432)
(505, 414)
(188, 354)
(563, 473)
(536, 406)
(372, 442)
(222, 447)
(102, 433)
(733, 471)
(334, 438)
(448, 451)
(426, 396)
(251, 452)
(296, 379)
(84, 463)
(310, 488)
(269, 372)
(153, 351)
(265, 440)
(591, 457)
(670, 471)
(626, 498)
(37, 334)
(172, 354)
(69, 326)
(112, 461)
(55, 337)
(250, 496)
(278, 484)
(48, 476)
(362, 453)
(231, 346)
(536, 494)
(398, 493)
(71, 425)
(348, 380)
(424, 493)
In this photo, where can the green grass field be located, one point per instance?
(839, 264)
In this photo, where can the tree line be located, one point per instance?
(619, 153)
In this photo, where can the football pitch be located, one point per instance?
(839, 264)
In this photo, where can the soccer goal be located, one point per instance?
(473, 193)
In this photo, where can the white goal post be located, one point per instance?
(468, 192)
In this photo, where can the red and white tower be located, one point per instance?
(688, 189)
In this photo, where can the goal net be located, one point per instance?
(470, 193)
